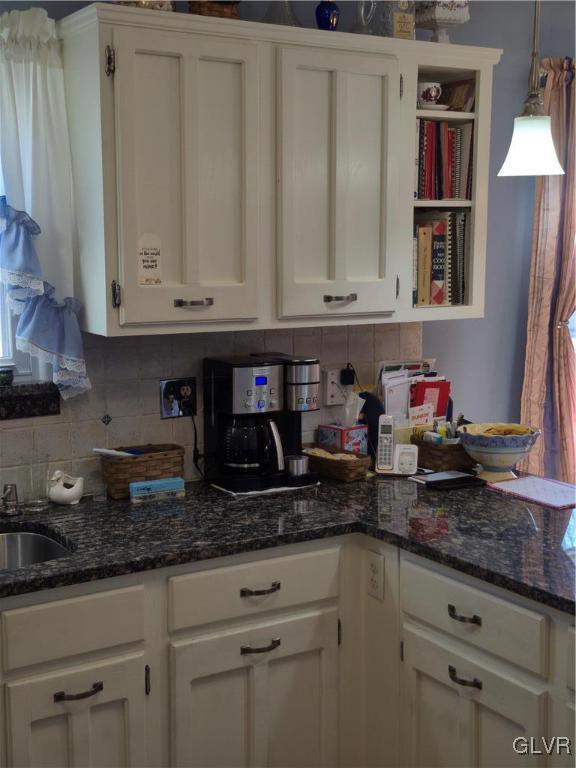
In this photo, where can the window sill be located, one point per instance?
(22, 401)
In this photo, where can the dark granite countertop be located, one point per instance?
(527, 549)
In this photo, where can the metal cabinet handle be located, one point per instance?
(62, 696)
(208, 302)
(475, 683)
(475, 619)
(246, 649)
(247, 592)
(328, 298)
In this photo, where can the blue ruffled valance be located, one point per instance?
(46, 329)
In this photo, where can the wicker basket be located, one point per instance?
(223, 8)
(347, 471)
(442, 457)
(156, 462)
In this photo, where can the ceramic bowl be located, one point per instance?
(498, 454)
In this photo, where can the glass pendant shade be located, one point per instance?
(532, 151)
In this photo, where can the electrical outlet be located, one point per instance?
(177, 398)
(333, 392)
(374, 570)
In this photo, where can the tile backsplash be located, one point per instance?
(125, 372)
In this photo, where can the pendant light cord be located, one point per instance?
(533, 106)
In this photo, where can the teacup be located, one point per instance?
(429, 93)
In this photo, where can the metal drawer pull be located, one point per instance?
(195, 303)
(62, 696)
(350, 297)
(246, 649)
(247, 592)
(475, 619)
(461, 681)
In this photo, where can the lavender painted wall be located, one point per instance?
(485, 358)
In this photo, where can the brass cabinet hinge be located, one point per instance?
(110, 66)
(116, 294)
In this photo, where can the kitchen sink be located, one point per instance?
(21, 548)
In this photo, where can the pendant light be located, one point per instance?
(532, 151)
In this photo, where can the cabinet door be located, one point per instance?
(450, 724)
(103, 726)
(261, 708)
(338, 181)
(187, 141)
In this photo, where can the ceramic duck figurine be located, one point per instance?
(64, 489)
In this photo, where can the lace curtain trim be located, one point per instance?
(69, 373)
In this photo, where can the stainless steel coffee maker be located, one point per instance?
(253, 418)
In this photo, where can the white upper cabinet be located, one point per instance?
(231, 175)
(186, 111)
(337, 172)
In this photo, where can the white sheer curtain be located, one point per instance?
(37, 183)
(34, 143)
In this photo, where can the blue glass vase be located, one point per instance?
(327, 15)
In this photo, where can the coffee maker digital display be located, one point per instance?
(248, 426)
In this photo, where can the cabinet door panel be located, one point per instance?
(436, 721)
(261, 700)
(103, 730)
(220, 170)
(187, 141)
(49, 743)
(448, 723)
(158, 171)
(226, 694)
(311, 175)
(295, 706)
(337, 173)
(365, 193)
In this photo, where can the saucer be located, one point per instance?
(440, 107)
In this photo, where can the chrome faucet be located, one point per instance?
(9, 499)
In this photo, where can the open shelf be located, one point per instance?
(444, 114)
(442, 203)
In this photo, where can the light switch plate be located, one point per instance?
(333, 392)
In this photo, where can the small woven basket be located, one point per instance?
(443, 457)
(156, 462)
(223, 8)
(347, 471)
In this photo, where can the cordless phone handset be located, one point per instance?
(385, 449)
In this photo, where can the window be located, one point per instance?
(6, 335)
(572, 329)
(26, 369)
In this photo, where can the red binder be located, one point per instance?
(434, 392)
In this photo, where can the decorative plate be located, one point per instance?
(440, 107)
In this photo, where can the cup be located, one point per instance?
(297, 465)
(429, 93)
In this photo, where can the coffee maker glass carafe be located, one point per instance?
(251, 445)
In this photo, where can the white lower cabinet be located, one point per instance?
(264, 695)
(460, 712)
(92, 715)
(247, 670)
